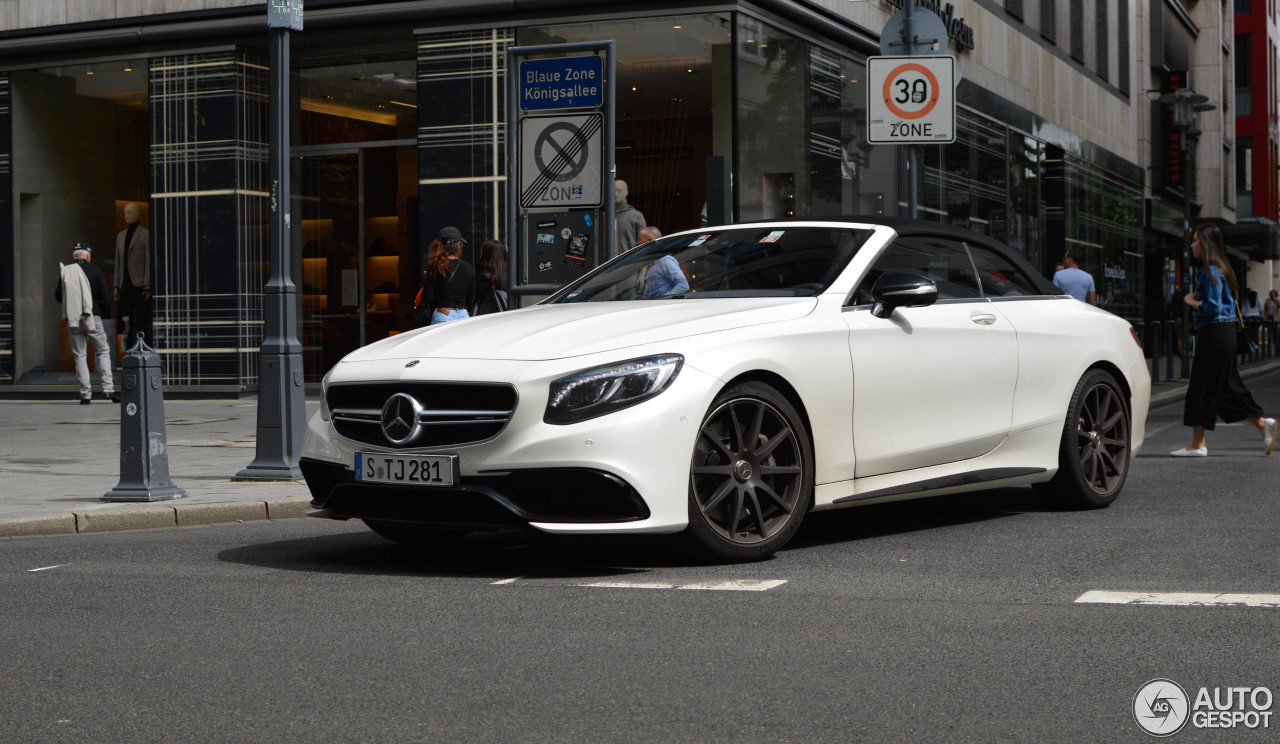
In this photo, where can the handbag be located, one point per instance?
(1246, 344)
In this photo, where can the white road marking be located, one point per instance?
(1185, 599)
(735, 585)
(506, 581)
(46, 568)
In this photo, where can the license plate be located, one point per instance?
(417, 470)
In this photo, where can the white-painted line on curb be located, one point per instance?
(1180, 599)
(506, 581)
(46, 568)
(736, 585)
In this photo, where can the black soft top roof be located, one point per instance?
(908, 226)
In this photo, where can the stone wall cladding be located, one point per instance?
(31, 14)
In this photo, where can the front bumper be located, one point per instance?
(515, 499)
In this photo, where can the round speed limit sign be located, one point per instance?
(911, 99)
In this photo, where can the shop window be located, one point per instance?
(773, 123)
(80, 152)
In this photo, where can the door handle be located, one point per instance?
(983, 318)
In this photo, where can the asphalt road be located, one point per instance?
(951, 619)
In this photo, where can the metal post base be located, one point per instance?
(166, 493)
(256, 472)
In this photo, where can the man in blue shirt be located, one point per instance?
(1075, 281)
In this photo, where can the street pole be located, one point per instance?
(913, 151)
(1189, 273)
(281, 397)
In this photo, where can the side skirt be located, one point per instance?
(947, 481)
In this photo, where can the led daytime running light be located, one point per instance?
(596, 392)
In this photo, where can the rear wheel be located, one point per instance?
(1093, 459)
(414, 535)
(751, 478)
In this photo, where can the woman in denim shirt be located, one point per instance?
(1216, 390)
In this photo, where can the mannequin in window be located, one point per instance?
(133, 275)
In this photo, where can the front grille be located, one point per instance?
(454, 413)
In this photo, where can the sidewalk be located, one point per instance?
(58, 458)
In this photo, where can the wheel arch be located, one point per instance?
(1121, 379)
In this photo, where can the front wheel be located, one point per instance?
(751, 478)
(1093, 459)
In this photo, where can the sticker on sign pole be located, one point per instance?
(911, 100)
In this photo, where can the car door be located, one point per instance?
(931, 384)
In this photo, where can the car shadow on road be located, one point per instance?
(510, 553)
(497, 555)
(899, 517)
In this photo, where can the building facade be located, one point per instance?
(398, 129)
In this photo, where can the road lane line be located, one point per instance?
(506, 581)
(46, 568)
(1180, 599)
(735, 585)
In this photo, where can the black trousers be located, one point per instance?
(138, 311)
(1216, 390)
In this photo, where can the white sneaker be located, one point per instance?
(1269, 435)
(1184, 452)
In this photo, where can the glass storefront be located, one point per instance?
(78, 138)
(397, 133)
(356, 242)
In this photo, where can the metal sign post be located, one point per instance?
(911, 102)
(281, 403)
(560, 163)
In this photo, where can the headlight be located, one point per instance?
(595, 392)
(324, 396)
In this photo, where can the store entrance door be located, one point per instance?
(357, 247)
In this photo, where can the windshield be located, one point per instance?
(774, 261)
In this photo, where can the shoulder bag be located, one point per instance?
(1246, 344)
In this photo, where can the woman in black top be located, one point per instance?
(491, 279)
(447, 281)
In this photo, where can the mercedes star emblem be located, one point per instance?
(400, 422)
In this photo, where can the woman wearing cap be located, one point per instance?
(447, 281)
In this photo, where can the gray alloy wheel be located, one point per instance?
(414, 535)
(751, 478)
(1094, 458)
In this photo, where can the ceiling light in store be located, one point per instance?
(88, 70)
(677, 26)
(128, 67)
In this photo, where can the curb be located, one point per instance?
(154, 517)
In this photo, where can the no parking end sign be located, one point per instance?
(911, 100)
(560, 161)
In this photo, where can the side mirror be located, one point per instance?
(899, 289)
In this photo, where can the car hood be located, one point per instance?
(558, 331)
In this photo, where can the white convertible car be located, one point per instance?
(726, 381)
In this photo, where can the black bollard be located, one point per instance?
(144, 453)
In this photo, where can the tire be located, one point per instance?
(751, 475)
(1093, 459)
(415, 536)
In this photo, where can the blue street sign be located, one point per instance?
(565, 82)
